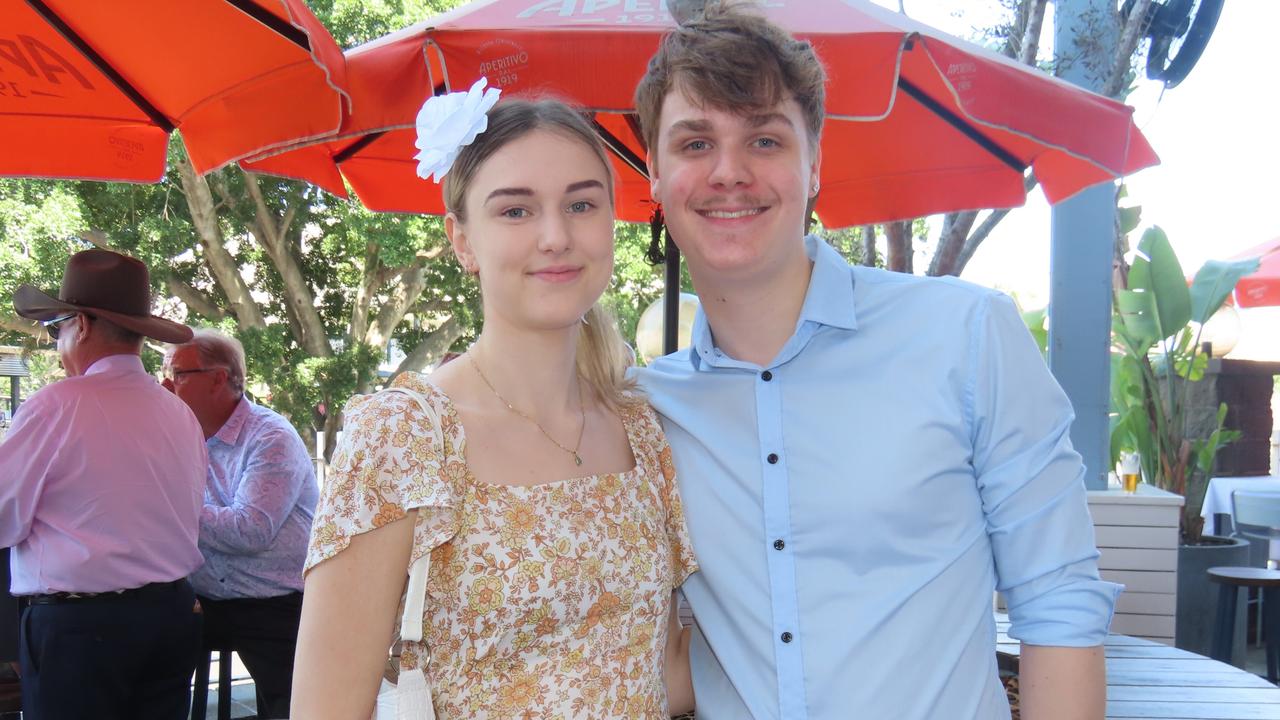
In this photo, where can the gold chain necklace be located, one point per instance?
(582, 409)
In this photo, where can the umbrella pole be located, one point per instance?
(671, 297)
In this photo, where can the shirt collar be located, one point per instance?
(827, 301)
(115, 362)
(229, 433)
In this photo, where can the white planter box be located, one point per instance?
(1138, 538)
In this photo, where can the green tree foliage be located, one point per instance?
(316, 288)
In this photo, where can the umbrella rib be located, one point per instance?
(361, 143)
(965, 128)
(280, 27)
(102, 65)
(619, 148)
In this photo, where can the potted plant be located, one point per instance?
(1157, 357)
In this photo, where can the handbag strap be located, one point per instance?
(415, 594)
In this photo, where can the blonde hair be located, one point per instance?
(602, 356)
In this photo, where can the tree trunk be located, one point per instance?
(869, 245)
(432, 347)
(298, 296)
(1034, 16)
(223, 267)
(407, 292)
(1130, 36)
(955, 231)
(370, 280)
(899, 245)
(196, 301)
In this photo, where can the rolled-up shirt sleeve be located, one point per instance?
(1032, 487)
(274, 475)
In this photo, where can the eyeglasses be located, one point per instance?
(173, 375)
(53, 325)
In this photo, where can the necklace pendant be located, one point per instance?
(577, 459)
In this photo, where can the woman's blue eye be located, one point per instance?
(581, 206)
(515, 213)
(697, 145)
(767, 142)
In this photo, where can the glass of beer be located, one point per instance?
(1130, 469)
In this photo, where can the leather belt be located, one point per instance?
(59, 598)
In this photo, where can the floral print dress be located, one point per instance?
(541, 601)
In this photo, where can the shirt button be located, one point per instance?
(778, 544)
(766, 376)
(773, 458)
(786, 637)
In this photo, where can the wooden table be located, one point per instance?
(1148, 680)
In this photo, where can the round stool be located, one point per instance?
(1231, 579)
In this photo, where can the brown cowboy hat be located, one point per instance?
(103, 284)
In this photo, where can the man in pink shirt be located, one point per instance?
(103, 486)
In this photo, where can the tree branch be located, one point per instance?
(1134, 29)
(955, 229)
(24, 326)
(97, 238)
(432, 347)
(370, 281)
(1031, 33)
(223, 267)
(198, 302)
(298, 296)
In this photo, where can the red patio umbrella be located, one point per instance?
(918, 122)
(1260, 288)
(91, 89)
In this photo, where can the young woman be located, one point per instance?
(526, 477)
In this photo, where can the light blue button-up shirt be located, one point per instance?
(854, 503)
(260, 496)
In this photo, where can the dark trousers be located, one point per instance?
(111, 658)
(264, 632)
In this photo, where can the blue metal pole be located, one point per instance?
(1082, 239)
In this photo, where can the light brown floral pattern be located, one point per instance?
(543, 601)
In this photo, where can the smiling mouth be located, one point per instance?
(731, 214)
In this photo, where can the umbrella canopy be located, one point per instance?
(1260, 288)
(91, 89)
(918, 122)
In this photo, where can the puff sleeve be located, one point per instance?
(396, 455)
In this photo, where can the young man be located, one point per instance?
(863, 455)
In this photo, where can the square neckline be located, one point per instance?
(636, 470)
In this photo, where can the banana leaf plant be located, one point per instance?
(1156, 355)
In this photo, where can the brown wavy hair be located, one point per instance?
(732, 58)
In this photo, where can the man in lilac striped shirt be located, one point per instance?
(103, 473)
(260, 496)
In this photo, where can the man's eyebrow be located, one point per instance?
(516, 191)
(697, 126)
(763, 119)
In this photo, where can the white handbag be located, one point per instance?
(409, 698)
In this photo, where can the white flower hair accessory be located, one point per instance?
(447, 123)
